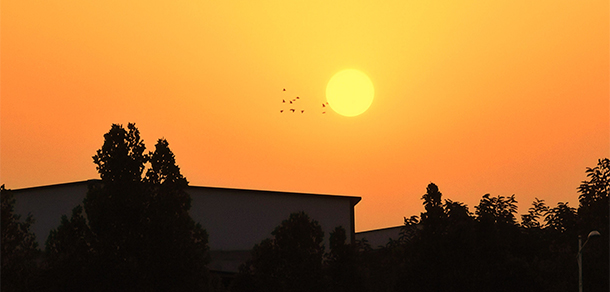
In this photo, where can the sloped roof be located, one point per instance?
(353, 199)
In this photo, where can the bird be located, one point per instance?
(323, 112)
(281, 111)
(283, 101)
(302, 111)
(323, 105)
(284, 89)
(292, 110)
(297, 97)
(290, 101)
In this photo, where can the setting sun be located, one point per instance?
(350, 92)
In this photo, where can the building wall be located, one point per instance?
(380, 237)
(47, 204)
(234, 219)
(239, 219)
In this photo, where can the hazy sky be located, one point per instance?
(500, 97)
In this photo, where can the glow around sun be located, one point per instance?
(350, 92)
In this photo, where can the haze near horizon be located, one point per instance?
(502, 97)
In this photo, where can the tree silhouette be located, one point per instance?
(344, 265)
(116, 209)
(19, 247)
(433, 218)
(289, 261)
(69, 252)
(553, 246)
(562, 219)
(436, 251)
(534, 214)
(180, 249)
(138, 234)
(593, 215)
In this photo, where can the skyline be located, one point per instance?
(501, 98)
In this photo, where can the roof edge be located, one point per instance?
(379, 229)
(353, 199)
(57, 185)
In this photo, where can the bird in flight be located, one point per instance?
(293, 102)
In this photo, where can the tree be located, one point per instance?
(343, 263)
(289, 261)
(554, 248)
(534, 215)
(500, 266)
(562, 219)
(433, 219)
(116, 210)
(19, 247)
(69, 250)
(593, 215)
(436, 251)
(180, 249)
(593, 196)
(498, 211)
(138, 234)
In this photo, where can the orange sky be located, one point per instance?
(500, 97)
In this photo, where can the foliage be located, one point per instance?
(499, 211)
(138, 234)
(593, 215)
(344, 265)
(432, 219)
(561, 219)
(19, 247)
(289, 261)
(534, 214)
(69, 248)
(135, 234)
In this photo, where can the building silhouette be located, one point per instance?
(235, 219)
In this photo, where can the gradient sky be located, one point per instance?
(500, 97)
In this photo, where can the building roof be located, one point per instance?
(380, 230)
(353, 199)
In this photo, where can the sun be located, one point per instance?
(350, 92)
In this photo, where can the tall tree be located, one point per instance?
(138, 234)
(19, 247)
(180, 244)
(433, 219)
(437, 250)
(116, 208)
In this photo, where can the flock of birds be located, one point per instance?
(292, 103)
